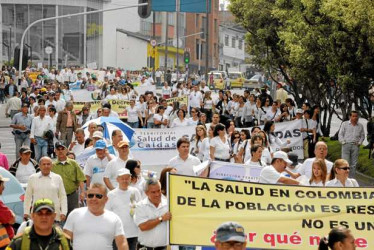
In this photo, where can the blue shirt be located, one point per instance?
(20, 119)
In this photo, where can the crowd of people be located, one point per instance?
(109, 189)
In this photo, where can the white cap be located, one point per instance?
(299, 111)
(98, 134)
(282, 155)
(123, 171)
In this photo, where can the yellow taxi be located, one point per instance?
(236, 79)
(218, 81)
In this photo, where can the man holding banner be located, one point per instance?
(272, 174)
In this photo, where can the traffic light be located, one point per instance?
(186, 57)
(25, 57)
(145, 11)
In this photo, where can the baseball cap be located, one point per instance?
(293, 157)
(24, 149)
(3, 178)
(230, 231)
(122, 143)
(123, 171)
(43, 204)
(282, 155)
(100, 144)
(59, 144)
(98, 134)
(299, 111)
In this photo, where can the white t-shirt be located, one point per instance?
(161, 118)
(348, 183)
(112, 168)
(24, 171)
(93, 232)
(132, 114)
(166, 91)
(78, 149)
(222, 149)
(122, 203)
(184, 167)
(195, 99)
(178, 123)
(95, 168)
(269, 175)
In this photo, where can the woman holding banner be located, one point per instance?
(219, 145)
(274, 141)
(339, 175)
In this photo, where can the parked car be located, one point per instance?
(13, 195)
(254, 82)
(236, 79)
(218, 79)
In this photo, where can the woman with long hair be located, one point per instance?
(238, 112)
(160, 119)
(150, 112)
(181, 120)
(194, 119)
(208, 106)
(274, 141)
(200, 145)
(142, 106)
(339, 238)
(339, 175)
(319, 173)
(137, 180)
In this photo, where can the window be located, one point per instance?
(233, 41)
(215, 49)
(240, 44)
(226, 40)
(215, 26)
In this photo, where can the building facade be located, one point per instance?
(74, 41)
(195, 23)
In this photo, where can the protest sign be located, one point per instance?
(234, 171)
(158, 146)
(181, 100)
(288, 130)
(273, 216)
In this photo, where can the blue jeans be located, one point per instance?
(21, 139)
(40, 148)
(133, 124)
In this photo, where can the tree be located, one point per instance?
(314, 45)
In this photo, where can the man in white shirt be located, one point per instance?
(272, 174)
(93, 227)
(151, 216)
(13, 105)
(307, 167)
(184, 161)
(111, 170)
(77, 146)
(96, 164)
(60, 103)
(122, 201)
(51, 99)
(196, 98)
(24, 166)
(40, 125)
(46, 185)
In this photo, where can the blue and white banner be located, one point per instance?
(157, 146)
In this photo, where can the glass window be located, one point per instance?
(240, 44)
(233, 41)
(226, 40)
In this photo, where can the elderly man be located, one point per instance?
(13, 105)
(230, 235)
(93, 227)
(151, 215)
(71, 174)
(351, 136)
(96, 164)
(46, 185)
(122, 202)
(117, 136)
(110, 173)
(184, 161)
(21, 124)
(24, 166)
(77, 146)
(43, 231)
(306, 168)
(66, 123)
(272, 174)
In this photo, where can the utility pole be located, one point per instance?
(154, 47)
(65, 16)
(177, 23)
(166, 42)
(207, 41)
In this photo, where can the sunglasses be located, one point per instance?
(47, 213)
(98, 196)
(345, 168)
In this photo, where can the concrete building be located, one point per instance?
(231, 43)
(197, 44)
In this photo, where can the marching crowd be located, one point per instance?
(108, 203)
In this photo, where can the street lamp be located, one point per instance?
(28, 46)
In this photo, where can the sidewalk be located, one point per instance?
(8, 145)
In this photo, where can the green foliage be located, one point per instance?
(323, 48)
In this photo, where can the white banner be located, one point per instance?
(234, 171)
(157, 146)
(288, 131)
